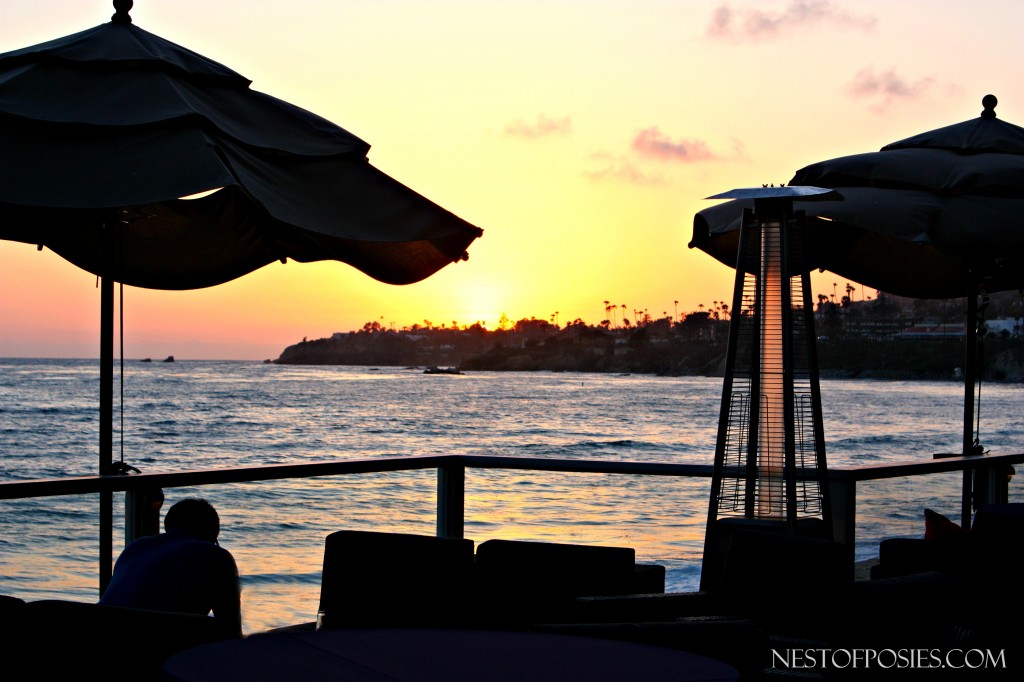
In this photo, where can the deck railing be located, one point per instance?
(990, 475)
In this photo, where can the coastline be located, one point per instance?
(890, 337)
(854, 358)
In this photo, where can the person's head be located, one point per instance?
(194, 516)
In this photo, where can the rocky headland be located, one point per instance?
(658, 348)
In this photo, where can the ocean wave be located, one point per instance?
(610, 444)
(311, 578)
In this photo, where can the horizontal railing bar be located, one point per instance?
(82, 485)
(10, 490)
(587, 466)
(870, 472)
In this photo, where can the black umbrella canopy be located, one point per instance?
(103, 132)
(921, 217)
(116, 118)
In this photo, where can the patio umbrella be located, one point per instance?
(936, 215)
(917, 218)
(104, 131)
(115, 118)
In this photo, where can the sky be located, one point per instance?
(581, 135)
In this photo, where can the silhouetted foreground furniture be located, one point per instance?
(779, 592)
(432, 655)
(523, 582)
(992, 543)
(780, 581)
(981, 566)
(78, 640)
(736, 641)
(580, 590)
(374, 579)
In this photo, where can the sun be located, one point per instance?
(484, 302)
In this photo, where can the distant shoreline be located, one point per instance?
(1008, 373)
(854, 358)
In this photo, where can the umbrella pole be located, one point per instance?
(970, 378)
(106, 538)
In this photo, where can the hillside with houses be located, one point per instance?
(887, 337)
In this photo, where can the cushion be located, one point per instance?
(373, 579)
(576, 570)
(939, 528)
(1000, 522)
(520, 581)
(997, 538)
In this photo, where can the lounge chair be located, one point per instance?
(375, 579)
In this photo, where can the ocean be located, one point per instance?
(212, 414)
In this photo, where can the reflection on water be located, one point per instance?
(196, 415)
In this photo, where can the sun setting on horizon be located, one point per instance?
(581, 135)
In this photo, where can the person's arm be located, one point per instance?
(227, 596)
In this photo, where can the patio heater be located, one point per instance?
(769, 471)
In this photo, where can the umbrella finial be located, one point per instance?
(989, 102)
(121, 9)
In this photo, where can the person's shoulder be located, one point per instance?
(223, 553)
(213, 552)
(201, 546)
(142, 544)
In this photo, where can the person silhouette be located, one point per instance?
(183, 569)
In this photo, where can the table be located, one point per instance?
(429, 655)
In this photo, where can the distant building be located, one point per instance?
(1004, 324)
(936, 331)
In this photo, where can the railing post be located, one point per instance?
(142, 513)
(106, 417)
(844, 515)
(451, 499)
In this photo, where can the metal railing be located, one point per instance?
(990, 476)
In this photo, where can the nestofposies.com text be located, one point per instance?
(888, 659)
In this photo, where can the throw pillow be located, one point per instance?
(938, 527)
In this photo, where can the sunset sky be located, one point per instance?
(581, 135)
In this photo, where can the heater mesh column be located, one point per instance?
(770, 455)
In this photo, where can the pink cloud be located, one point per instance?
(621, 168)
(542, 127)
(756, 25)
(886, 86)
(652, 142)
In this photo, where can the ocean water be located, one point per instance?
(201, 415)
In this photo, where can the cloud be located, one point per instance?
(885, 87)
(757, 25)
(542, 127)
(621, 168)
(653, 143)
(650, 144)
